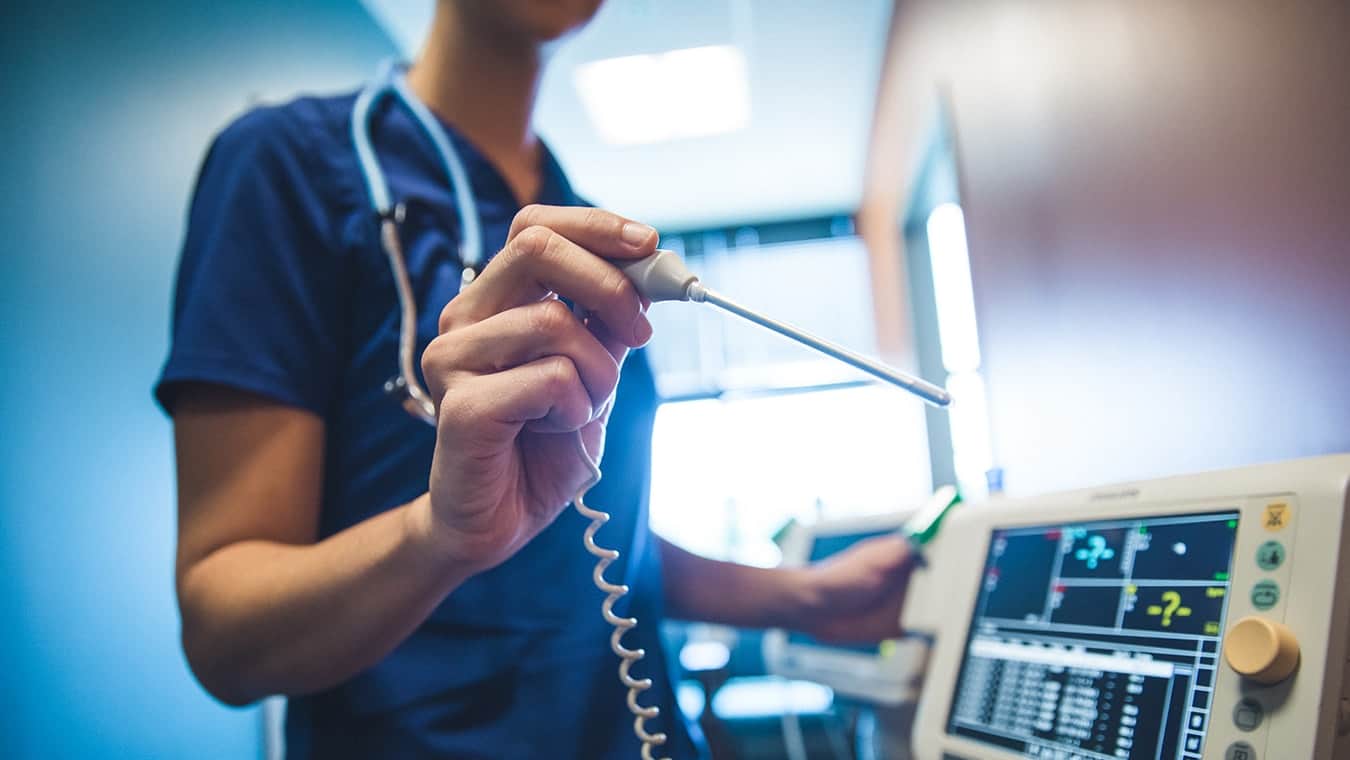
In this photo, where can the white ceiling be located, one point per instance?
(813, 69)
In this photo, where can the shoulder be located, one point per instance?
(290, 160)
(305, 129)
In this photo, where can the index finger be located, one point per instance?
(601, 232)
(541, 261)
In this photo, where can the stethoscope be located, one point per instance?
(390, 82)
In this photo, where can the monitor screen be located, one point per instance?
(1097, 639)
(826, 546)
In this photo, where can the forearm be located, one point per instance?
(262, 617)
(698, 588)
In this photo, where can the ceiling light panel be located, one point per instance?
(679, 94)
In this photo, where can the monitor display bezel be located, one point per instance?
(1053, 519)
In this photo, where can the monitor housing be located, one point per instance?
(1093, 624)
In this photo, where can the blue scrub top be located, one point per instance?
(284, 291)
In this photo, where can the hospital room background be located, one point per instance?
(1118, 231)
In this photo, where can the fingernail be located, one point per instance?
(643, 329)
(635, 234)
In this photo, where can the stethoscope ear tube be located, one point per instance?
(413, 395)
(390, 81)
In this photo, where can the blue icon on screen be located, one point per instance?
(1094, 552)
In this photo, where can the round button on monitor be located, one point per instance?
(1270, 556)
(1248, 714)
(1265, 594)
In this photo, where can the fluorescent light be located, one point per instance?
(952, 288)
(694, 92)
(704, 655)
(770, 696)
(972, 450)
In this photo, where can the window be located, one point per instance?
(820, 284)
(947, 337)
(727, 473)
(759, 430)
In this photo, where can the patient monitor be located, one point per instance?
(1192, 618)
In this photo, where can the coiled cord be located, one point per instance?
(614, 592)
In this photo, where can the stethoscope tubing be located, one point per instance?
(390, 82)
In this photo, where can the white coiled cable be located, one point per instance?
(614, 592)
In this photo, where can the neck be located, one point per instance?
(484, 82)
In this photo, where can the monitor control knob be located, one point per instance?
(1261, 650)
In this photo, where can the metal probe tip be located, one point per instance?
(917, 386)
(663, 276)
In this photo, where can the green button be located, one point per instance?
(1265, 594)
(1270, 555)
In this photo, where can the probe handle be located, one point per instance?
(661, 276)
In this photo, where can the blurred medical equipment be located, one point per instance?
(884, 675)
(654, 276)
(885, 672)
(1203, 617)
(922, 526)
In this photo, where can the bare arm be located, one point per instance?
(709, 590)
(266, 609)
(856, 595)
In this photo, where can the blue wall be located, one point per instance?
(108, 109)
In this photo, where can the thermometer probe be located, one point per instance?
(663, 276)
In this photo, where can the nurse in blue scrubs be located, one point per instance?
(420, 591)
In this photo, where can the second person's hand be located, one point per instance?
(515, 375)
(858, 594)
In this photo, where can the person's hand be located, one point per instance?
(857, 594)
(515, 375)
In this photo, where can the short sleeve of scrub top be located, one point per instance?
(258, 294)
(283, 291)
